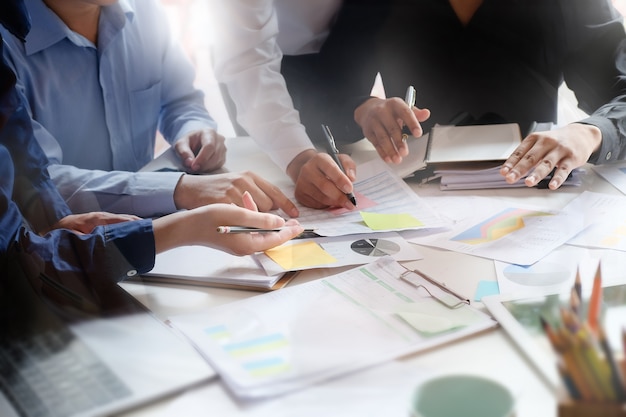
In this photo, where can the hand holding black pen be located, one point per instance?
(334, 153)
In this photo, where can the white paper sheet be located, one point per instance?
(495, 229)
(613, 173)
(283, 341)
(555, 273)
(384, 192)
(605, 217)
(473, 143)
(350, 250)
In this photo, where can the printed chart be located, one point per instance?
(375, 247)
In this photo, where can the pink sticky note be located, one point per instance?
(361, 201)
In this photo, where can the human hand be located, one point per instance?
(86, 222)
(198, 190)
(201, 151)
(199, 227)
(320, 182)
(565, 148)
(382, 120)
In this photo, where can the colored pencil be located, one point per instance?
(595, 301)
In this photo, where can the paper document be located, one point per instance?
(605, 217)
(556, 272)
(475, 143)
(495, 229)
(377, 190)
(283, 341)
(614, 173)
(415, 160)
(328, 252)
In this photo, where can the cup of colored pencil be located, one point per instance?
(592, 375)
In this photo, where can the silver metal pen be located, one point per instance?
(409, 99)
(244, 229)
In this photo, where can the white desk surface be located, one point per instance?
(386, 389)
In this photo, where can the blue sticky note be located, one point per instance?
(486, 288)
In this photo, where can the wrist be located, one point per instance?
(361, 111)
(592, 132)
(179, 193)
(296, 164)
(173, 230)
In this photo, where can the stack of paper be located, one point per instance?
(199, 265)
(466, 157)
(488, 176)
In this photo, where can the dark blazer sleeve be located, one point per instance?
(595, 69)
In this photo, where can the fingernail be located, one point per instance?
(346, 189)
(531, 180)
(352, 173)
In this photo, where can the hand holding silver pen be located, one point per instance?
(409, 99)
(245, 229)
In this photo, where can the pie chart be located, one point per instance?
(375, 247)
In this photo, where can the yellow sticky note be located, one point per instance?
(300, 255)
(381, 221)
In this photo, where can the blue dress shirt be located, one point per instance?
(96, 108)
(30, 201)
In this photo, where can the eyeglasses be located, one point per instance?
(448, 298)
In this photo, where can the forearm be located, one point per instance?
(596, 71)
(248, 62)
(145, 194)
(110, 253)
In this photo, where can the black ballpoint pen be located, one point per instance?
(334, 153)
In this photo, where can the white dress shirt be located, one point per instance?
(250, 39)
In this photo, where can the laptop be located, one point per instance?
(62, 355)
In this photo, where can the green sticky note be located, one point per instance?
(430, 317)
(382, 221)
